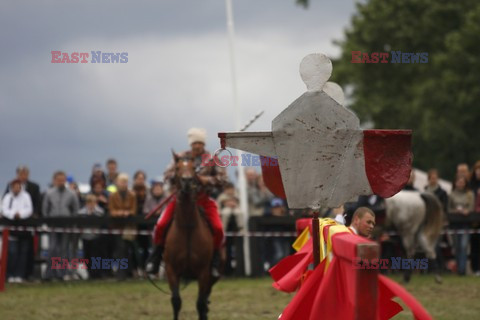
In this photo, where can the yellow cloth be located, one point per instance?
(334, 229)
(325, 244)
(301, 240)
(324, 250)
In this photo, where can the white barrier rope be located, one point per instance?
(74, 230)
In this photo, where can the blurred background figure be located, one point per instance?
(32, 188)
(232, 220)
(444, 247)
(228, 192)
(154, 196)
(142, 242)
(461, 201)
(17, 205)
(60, 201)
(100, 193)
(475, 238)
(121, 204)
(107, 242)
(75, 237)
(112, 174)
(97, 175)
(463, 171)
(258, 195)
(140, 190)
(278, 247)
(434, 187)
(73, 185)
(92, 247)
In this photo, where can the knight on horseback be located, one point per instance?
(211, 180)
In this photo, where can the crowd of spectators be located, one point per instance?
(114, 194)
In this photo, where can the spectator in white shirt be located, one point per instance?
(16, 205)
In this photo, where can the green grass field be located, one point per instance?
(456, 298)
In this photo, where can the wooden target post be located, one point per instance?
(322, 158)
(346, 248)
(317, 156)
(316, 239)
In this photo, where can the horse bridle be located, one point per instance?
(188, 184)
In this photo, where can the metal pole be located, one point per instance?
(242, 183)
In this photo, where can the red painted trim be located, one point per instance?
(4, 259)
(388, 160)
(273, 178)
(222, 136)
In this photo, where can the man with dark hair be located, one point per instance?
(112, 172)
(22, 174)
(363, 222)
(60, 201)
(435, 188)
(30, 187)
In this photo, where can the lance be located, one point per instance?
(159, 206)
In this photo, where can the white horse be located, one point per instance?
(418, 219)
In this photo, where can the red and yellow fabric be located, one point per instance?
(328, 291)
(289, 272)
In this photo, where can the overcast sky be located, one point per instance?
(70, 116)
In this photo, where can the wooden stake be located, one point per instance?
(316, 239)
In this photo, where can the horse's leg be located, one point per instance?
(408, 240)
(204, 289)
(174, 283)
(429, 249)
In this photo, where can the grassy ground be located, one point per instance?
(232, 299)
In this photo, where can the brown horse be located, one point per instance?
(189, 242)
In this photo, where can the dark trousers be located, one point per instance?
(93, 248)
(108, 245)
(30, 256)
(144, 245)
(475, 251)
(461, 247)
(126, 249)
(60, 246)
(18, 257)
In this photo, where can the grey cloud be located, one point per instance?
(71, 116)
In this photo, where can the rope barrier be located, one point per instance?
(260, 234)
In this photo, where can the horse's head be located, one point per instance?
(186, 178)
